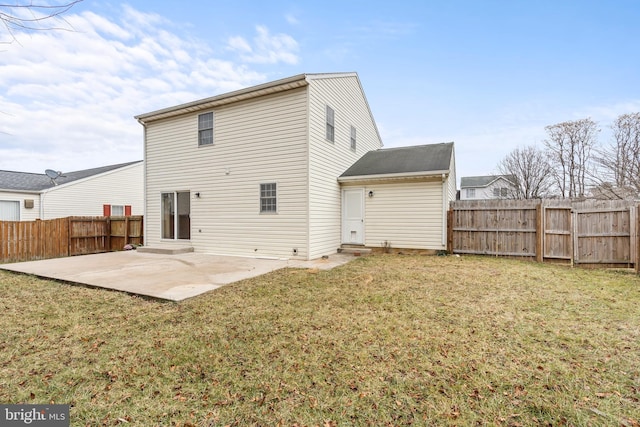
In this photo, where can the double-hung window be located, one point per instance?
(500, 192)
(268, 199)
(205, 129)
(330, 121)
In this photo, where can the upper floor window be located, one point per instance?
(471, 193)
(205, 129)
(330, 132)
(268, 201)
(500, 192)
(353, 138)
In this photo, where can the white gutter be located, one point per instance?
(400, 175)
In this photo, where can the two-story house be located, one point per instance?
(487, 187)
(255, 172)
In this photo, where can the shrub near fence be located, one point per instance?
(61, 237)
(588, 233)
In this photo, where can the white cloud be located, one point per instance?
(291, 19)
(267, 48)
(67, 98)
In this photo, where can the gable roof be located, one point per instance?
(36, 182)
(275, 86)
(401, 162)
(484, 181)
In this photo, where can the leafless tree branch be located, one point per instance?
(532, 172)
(569, 148)
(33, 17)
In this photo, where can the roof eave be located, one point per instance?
(226, 98)
(13, 190)
(391, 176)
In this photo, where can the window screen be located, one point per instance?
(205, 129)
(268, 202)
(330, 134)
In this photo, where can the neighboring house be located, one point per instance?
(108, 190)
(255, 172)
(487, 187)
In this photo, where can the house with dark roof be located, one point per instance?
(291, 169)
(487, 187)
(399, 197)
(107, 190)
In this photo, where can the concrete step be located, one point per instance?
(354, 249)
(165, 250)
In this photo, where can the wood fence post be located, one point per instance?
(637, 242)
(450, 231)
(69, 237)
(126, 230)
(108, 234)
(539, 232)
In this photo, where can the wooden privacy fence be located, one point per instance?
(42, 239)
(588, 233)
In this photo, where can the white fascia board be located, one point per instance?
(402, 175)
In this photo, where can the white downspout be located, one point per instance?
(144, 183)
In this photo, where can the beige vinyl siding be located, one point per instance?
(257, 141)
(328, 160)
(25, 214)
(405, 214)
(85, 197)
(452, 180)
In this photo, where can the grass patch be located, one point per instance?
(383, 340)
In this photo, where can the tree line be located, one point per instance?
(573, 164)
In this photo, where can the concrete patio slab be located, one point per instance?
(171, 277)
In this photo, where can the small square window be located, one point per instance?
(471, 193)
(117, 210)
(268, 200)
(205, 129)
(330, 120)
(353, 138)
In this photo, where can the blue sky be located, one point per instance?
(488, 75)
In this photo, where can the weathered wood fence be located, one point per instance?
(42, 239)
(589, 233)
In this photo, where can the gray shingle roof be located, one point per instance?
(25, 181)
(403, 160)
(483, 181)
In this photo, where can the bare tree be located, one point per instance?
(532, 172)
(619, 163)
(569, 149)
(29, 16)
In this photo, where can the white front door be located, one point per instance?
(353, 216)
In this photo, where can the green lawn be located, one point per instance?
(383, 340)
